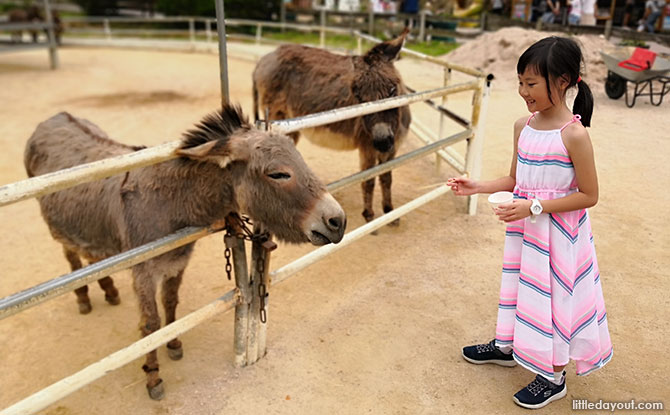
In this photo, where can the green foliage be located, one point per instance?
(432, 48)
(98, 7)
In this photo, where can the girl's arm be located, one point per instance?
(578, 144)
(462, 186)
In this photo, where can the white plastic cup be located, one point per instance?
(500, 198)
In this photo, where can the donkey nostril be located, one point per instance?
(334, 223)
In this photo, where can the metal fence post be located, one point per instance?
(322, 35)
(473, 156)
(259, 33)
(191, 30)
(446, 79)
(53, 53)
(208, 30)
(223, 54)
(371, 19)
(422, 25)
(107, 29)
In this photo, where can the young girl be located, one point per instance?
(551, 307)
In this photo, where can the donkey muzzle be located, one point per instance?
(327, 222)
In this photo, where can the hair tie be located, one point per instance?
(579, 79)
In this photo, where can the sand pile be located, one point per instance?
(498, 52)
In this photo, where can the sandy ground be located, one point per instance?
(375, 328)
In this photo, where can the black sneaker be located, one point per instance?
(540, 392)
(488, 353)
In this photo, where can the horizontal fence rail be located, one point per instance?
(62, 179)
(36, 295)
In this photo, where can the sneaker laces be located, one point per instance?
(488, 347)
(538, 385)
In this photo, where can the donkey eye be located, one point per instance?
(392, 91)
(279, 176)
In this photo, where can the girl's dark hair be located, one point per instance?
(553, 57)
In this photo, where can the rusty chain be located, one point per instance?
(243, 223)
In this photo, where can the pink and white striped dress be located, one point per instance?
(551, 307)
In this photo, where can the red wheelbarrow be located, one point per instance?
(649, 73)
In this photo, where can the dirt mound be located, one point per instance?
(497, 53)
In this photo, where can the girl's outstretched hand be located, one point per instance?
(462, 186)
(516, 210)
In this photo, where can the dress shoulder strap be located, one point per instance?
(575, 118)
(530, 118)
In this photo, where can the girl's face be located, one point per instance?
(533, 89)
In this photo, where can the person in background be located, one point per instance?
(553, 11)
(652, 11)
(588, 13)
(575, 14)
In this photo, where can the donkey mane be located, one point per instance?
(219, 125)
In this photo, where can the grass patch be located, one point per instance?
(432, 48)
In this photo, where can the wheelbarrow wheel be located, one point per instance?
(615, 86)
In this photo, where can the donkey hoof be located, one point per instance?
(156, 392)
(175, 354)
(113, 300)
(84, 308)
(395, 223)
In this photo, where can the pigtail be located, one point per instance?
(583, 104)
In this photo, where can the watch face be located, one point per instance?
(536, 210)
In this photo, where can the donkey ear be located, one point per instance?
(386, 51)
(235, 149)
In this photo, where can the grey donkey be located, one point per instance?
(225, 166)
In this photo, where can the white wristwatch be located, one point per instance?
(535, 210)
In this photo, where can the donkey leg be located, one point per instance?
(385, 180)
(170, 300)
(150, 321)
(83, 301)
(111, 293)
(367, 160)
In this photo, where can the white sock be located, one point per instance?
(507, 349)
(559, 378)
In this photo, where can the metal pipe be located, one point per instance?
(425, 57)
(398, 161)
(65, 283)
(62, 179)
(303, 262)
(444, 111)
(223, 55)
(339, 114)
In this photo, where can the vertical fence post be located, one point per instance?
(473, 156)
(107, 29)
(208, 30)
(259, 33)
(53, 53)
(422, 25)
(242, 307)
(445, 83)
(223, 54)
(191, 30)
(282, 15)
(322, 35)
(371, 19)
(359, 45)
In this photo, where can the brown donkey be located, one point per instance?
(297, 80)
(226, 166)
